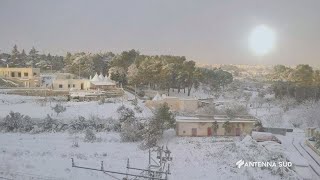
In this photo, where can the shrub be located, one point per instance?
(131, 131)
(141, 93)
(17, 122)
(79, 124)
(50, 124)
(102, 101)
(90, 136)
(125, 113)
(75, 142)
(58, 108)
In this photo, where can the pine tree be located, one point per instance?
(23, 57)
(33, 57)
(15, 56)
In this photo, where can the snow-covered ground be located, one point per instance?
(48, 156)
(37, 108)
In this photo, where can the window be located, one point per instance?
(25, 74)
(12, 74)
(34, 74)
(60, 86)
(19, 74)
(73, 85)
(69, 85)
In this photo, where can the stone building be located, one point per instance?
(26, 77)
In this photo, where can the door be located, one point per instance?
(209, 131)
(194, 132)
(238, 132)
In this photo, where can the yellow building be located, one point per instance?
(27, 77)
(203, 125)
(67, 84)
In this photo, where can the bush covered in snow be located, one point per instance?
(17, 122)
(90, 136)
(59, 108)
(125, 113)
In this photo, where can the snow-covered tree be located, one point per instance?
(59, 108)
(125, 113)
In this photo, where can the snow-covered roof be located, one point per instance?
(101, 80)
(95, 78)
(101, 77)
(157, 97)
(102, 83)
(197, 119)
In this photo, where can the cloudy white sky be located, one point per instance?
(212, 31)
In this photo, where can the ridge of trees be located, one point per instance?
(160, 72)
(301, 82)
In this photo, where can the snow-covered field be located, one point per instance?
(48, 156)
(36, 108)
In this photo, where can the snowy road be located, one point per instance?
(307, 153)
(307, 165)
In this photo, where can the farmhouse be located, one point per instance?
(98, 82)
(218, 125)
(27, 77)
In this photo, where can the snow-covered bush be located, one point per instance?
(125, 113)
(79, 124)
(102, 101)
(50, 124)
(59, 108)
(17, 122)
(90, 136)
(75, 142)
(131, 131)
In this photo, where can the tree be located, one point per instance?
(15, 56)
(227, 126)
(33, 57)
(161, 120)
(165, 116)
(23, 57)
(125, 59)
(215, 126)
(125, 114)
(258, 125)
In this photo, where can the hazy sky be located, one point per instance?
(205, 31)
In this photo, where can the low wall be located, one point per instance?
(281, 131)
(312, 147)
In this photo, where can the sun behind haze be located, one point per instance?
(262, 40)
